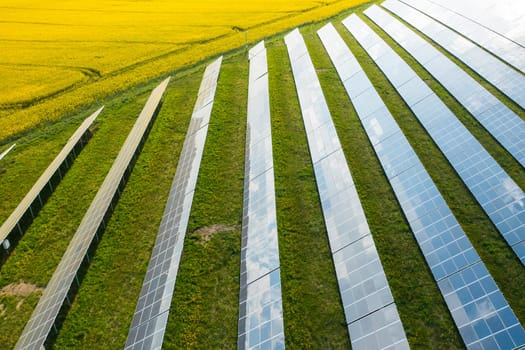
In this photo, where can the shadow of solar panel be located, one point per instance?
(451, 257)
(363, 286)
(45, 314)
(502, 76)
(506, 127)
(260, 304)
(492, 187)
(496, 35)
(23, 215)
(151, 314)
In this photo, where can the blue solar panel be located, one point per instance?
(153, 306)
(506, 127)
(370, 311)
(479, 21)
(448, 252)
(499, 196)
(260, 304)
(496, 72)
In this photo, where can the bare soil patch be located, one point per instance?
(20, 289)
(207, 232)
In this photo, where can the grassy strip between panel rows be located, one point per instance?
(204, 309)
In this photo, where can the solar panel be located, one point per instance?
(504, 37)
(260, 304)
(371, 315)
(501, 122)
(44, 316)
(447, 250)
(28, 208)
(499, 196)
(153, 306)
(499, 74)
(4, 153)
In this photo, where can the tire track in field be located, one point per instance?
(186, 46)
(90, 75)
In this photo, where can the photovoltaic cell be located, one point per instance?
(496, 72)
(448, 252)
(260, 304)
(501, 122)
(44, 316)
(501, 36)
(153, 306)
(499, 196)
(371, 315)
(4, 153)
(34, 199)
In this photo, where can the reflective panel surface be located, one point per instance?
(153, 306)
(499, 196)
(501, 122)
(11, 224)
(470, 292)
(260, 304)
(503, 77)
(496, 25)
(44, 316)
(363, 286)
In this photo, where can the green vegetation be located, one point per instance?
(313, 314)
(209, 271)
(205, 305)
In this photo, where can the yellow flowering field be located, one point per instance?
(59, 55)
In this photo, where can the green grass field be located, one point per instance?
(204, 309)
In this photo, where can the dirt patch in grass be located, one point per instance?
(20, 289)
(207, 232)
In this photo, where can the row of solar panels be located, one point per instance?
(478, 307)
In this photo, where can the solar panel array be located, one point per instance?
(495, 191)
(501, 122)
(446, 248)
(371, 314)
(505, 17)
(33, 201)
(44, 316)
(502, 76)
(153, 306)
(260, 305)
(501, 36)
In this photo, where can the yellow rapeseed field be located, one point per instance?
(59, 55)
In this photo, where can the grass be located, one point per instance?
(209, 271)
(205, 305)
(313, 314)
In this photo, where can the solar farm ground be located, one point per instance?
(205, 305)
